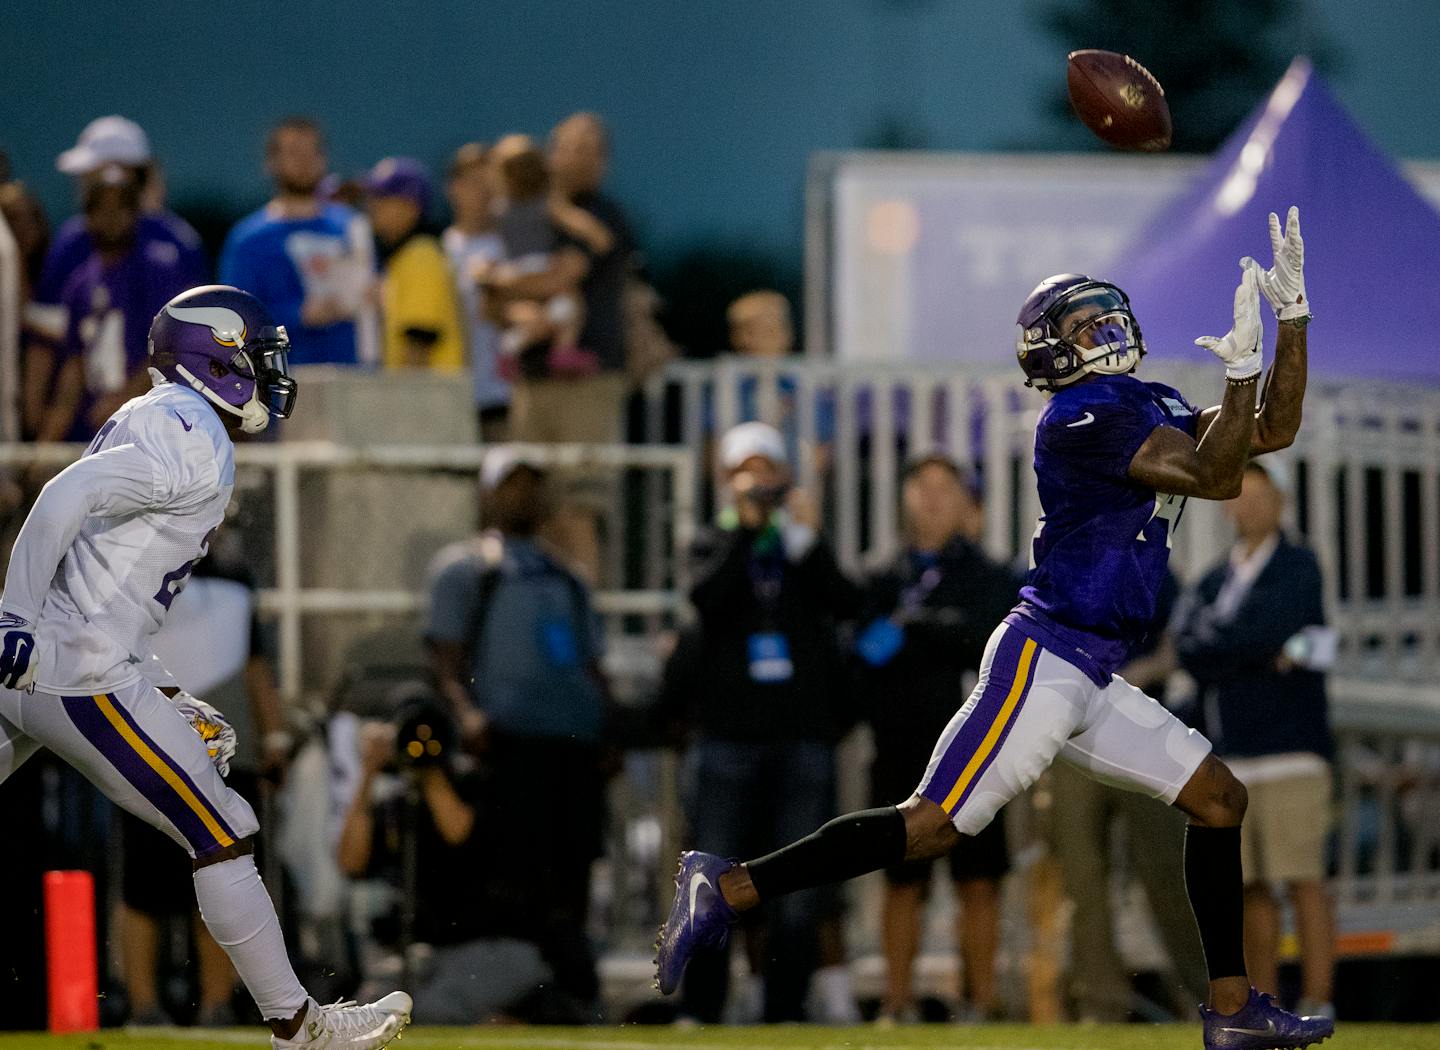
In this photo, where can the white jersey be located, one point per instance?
(125, 525)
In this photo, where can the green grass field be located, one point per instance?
(984, 1037)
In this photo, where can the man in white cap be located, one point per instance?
(107, 145)
(758, 681)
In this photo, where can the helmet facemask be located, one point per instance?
(274, 390)
(1090, 330)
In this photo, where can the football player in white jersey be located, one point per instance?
(108, 545)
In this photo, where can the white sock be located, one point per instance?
(240, 916)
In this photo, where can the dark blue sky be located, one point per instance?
(716, 105)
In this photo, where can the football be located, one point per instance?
(1118, 99)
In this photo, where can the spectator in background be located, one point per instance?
(104, 145)
(109, 301)
(583, 407)
(1252, 636)
(926, 620)
(215, 646)
(24, 216)
(308, 260)
(760, 681)
(1086, 818)
(535, 290)
(515, 650)
(761, 329)
(425, 821)
(473, 245)
(420, 314)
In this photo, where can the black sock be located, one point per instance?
(844, 848)
(1217, 896)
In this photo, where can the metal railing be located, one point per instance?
(288, 598)
(1367, 494)
(1366, 468)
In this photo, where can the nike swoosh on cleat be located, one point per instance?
(191, 426)
(695, 881)
(1088, 417)
(1253, 1031)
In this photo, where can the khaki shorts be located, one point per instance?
(1283, 837)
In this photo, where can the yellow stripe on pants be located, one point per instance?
(155, 762)
(1007, 710)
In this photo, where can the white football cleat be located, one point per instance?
(351, 1025)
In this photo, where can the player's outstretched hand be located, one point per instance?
(17, 652)
(1239, 348)
(1284, 283)
(214, 728)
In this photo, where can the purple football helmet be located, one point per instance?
(222, 342)
(1073, 325)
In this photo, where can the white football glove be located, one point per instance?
(17, 652)
(1239, 348)
(1284, 283)
(214, 728)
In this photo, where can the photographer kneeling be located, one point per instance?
(422, 822)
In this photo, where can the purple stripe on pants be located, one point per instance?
(175, 767)
(85, 712)
(997, 687)
(1004, 733)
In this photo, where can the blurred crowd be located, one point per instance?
(535, 280)
(443, 820)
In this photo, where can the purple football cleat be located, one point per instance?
(1261, 1025)
(699, 919)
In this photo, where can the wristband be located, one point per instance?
(1299, 321)
(1248, 367)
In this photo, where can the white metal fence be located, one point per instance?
(1366, 469)
(289, 598)
(1367, 494)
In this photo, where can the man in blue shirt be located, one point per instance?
(1108, 450)
(309, 261)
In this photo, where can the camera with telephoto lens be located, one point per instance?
(425, 735)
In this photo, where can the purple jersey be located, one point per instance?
(109, 310)
(1101, 554)
(73, 245)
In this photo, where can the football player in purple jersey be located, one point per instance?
(1115, 458)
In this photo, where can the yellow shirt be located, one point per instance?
(417, 293)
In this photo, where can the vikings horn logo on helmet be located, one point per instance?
(227, 326)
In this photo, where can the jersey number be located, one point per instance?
(175, 580)
(99, 438)
(173, 584)
(1168, 509)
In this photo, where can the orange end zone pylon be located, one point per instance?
(70, 961)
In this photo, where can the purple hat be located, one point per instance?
(400, 177)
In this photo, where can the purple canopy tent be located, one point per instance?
(1372, 243)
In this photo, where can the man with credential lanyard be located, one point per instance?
(766, 699)
(921, 637)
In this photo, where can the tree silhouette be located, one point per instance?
(1216, 59)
